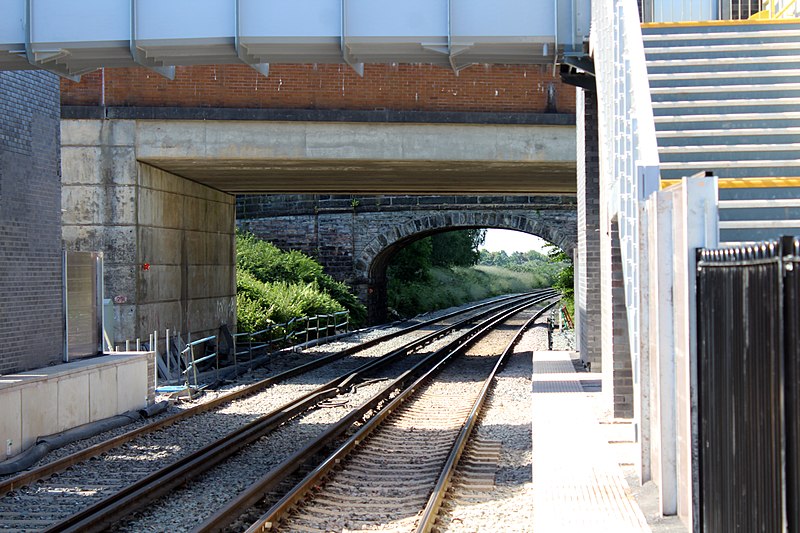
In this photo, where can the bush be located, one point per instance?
(446, 287)
(273, 286)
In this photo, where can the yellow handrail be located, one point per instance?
(768, 13)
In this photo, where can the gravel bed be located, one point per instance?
(507, 418)
(155, 450)
(187, 507)
(274, 364)
(203, 495)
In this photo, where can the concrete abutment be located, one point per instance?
(168, 242)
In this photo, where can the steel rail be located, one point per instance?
(46, 470)
(448, 354)
(139, 494)
(429, 515)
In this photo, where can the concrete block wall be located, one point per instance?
(587, 305)
(167, 242)
(417, 87)
(31, 287)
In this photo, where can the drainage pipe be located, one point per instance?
(45, 445)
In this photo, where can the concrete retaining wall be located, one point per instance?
(50, 400)
(167, 242)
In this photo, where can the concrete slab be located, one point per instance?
(39, 410)
(102, 393)
(578, 484)
(132, 385)
(245, 156)
(10, 423)
(73, 401)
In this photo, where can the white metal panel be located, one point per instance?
(186, 19)
(295, 18)
(390, 18)
(12, 21)
(57, 21)
(503, 18)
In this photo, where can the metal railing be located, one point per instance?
(709, 10)
(749, 376)
(306, 328)
(181, 360)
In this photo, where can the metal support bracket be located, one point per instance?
(450, 52)
(241, 53)
(358, 67)
(30, 55)
(138, 55)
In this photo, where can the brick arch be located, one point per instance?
(556, 226)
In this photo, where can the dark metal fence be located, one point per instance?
(748, 303)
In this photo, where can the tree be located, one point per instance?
(457, 248)
(412, 262)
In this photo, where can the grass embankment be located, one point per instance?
(273, 287)
(446, 287)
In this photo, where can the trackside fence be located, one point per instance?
(748, 301)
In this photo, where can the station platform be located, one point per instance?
(578, 484)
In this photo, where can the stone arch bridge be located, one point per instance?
(355, 237)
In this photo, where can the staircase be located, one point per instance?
(726, 99)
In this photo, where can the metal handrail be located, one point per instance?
(261, 339)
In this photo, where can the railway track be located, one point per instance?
(137, 461)
(394, 473)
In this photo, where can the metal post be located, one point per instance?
(127, 345)
(154, 346)
(216, 359)
(168, 356)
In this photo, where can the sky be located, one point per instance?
(512, 241)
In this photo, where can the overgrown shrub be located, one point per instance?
(275, 286)
(446, 287)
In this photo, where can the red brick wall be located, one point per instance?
(488, 88)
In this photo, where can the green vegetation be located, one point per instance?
(543, 269)
(273, 286)
(447, 269)
(565, 279)
(445, 287)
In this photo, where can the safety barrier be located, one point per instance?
(749, 386)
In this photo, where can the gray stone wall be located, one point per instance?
(31, 289)
(587, 304)
(354, 237)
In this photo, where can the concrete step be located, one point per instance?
(727, 106)
(742, 168)
(727, 33)
(775, 203)
(714, 138)
(705, 92)
(728, 121)
(691, 50)
(719, 27)
(699, 66)
(728, 77)
(782, 188)
(766, 153)
(755, 230)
